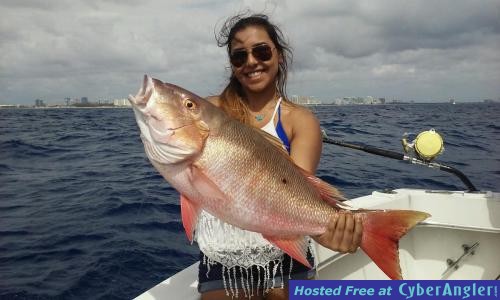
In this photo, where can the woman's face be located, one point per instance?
(255, 76)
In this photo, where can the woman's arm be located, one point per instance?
(345, 230)
(306, 140)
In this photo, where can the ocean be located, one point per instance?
(83, 214)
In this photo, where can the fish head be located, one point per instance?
(170, 120)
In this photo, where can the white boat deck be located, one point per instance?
(458, 218)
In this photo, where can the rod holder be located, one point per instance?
(455, 264)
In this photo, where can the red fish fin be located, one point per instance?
(204, 185)
(276, 142)
(189, 213)
(296, 248)
(381, 233)
(328, 193)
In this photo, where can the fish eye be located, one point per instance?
(189, 103)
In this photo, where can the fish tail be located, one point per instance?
(381, 233)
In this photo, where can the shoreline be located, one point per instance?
(4, 106)
(67, 107)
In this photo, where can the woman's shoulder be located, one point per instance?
(299, 114)
(215, 100)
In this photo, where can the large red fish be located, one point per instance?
(243, 176)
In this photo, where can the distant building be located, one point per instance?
(105, 101)
(84, 100)
(358, 100)
(305, 100)
(121, 102)
(39, 103)
(67, 100)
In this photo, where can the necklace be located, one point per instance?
(260, 117)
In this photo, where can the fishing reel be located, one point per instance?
(426, 146)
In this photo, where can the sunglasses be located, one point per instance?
(261, 52)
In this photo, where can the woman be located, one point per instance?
(239, 263)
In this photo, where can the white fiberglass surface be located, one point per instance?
(425, 253)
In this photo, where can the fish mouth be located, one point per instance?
(153, 127)
(145, 91)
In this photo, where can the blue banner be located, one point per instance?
(394, 290)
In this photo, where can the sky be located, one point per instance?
(408, 50)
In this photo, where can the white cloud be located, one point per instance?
(405, 49)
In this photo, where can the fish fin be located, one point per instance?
(327, 192)
(276, 142)
(204, 185)
(295, 247)
(381, 233)
(189, 213)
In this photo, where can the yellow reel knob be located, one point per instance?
(429, 144)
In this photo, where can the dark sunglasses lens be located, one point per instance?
(262, 52)
(238, 58)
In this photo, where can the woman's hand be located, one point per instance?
(344, 233)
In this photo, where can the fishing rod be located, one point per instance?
(425, 156)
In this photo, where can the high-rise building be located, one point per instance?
(84, 100)
(39, 103)
(121, 102)
(305, 100)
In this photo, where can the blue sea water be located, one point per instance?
(83, 214)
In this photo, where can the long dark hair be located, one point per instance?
(232, 96)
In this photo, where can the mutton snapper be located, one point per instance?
(243, 176)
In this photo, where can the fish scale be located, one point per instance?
(284, 205)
